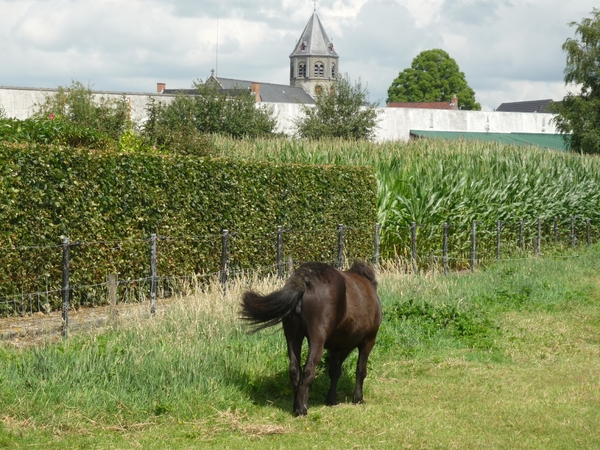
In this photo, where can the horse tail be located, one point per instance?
(363, 269)
(264, 311)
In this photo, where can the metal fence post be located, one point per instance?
(340, 258)
(498, 237)
(153, 273)
(538, 246)
(445, 249)
(377, 241)
(413, 246)
(65, 288)
(521, 234)
(224, 259)
(280, 252)
(473, 244)
(112, 296)
(587, 232)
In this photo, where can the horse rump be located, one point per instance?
(363, 269)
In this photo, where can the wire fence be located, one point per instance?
(466, 245)
(445, 247)
(145, 269)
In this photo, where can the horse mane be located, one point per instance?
(363, 269)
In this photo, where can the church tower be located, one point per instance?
(314, 62)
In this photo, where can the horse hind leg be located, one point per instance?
(361, 369)
(315, 353)
(294, 343)
(336, 359)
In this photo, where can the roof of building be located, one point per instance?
(530, 106)
(314, 40)
(269, 92)
(545, 140)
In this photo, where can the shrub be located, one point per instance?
(181, 124)
(78, 105)
(174, 136)
(117, 200)
(342, 112)
(52, 130)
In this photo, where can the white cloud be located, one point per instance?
(510, 50)
(423, 11)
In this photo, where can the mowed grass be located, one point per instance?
(507, 357)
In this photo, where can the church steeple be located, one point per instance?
(314, 61)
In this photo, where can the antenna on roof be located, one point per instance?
(217, 50)
(315, 3)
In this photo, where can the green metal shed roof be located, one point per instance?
(553, 141)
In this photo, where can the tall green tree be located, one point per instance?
(433, 77)
(211, 110)
(340, 112)
(578, 115)
(185, 125)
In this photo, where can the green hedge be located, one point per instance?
(111, 204)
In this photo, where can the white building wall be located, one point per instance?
(394, 123)
(20, 103)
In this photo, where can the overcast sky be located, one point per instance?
(509, 50)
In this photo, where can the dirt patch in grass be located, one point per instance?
(39, 328)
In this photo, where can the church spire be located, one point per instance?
(314, 40)
(314, 61)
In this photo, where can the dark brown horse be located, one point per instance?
(335, 310)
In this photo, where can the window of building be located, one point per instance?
(333, 70)
(302, 70)
(319, 69)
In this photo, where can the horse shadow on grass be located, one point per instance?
(276, 390)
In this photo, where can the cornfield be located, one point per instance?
(430, 183)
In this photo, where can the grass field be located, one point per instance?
(507, 357)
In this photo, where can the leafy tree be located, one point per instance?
(210, 110)
(171, 128)
(433, 77)
(578, 115)
(342, 112)
(77, 104)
